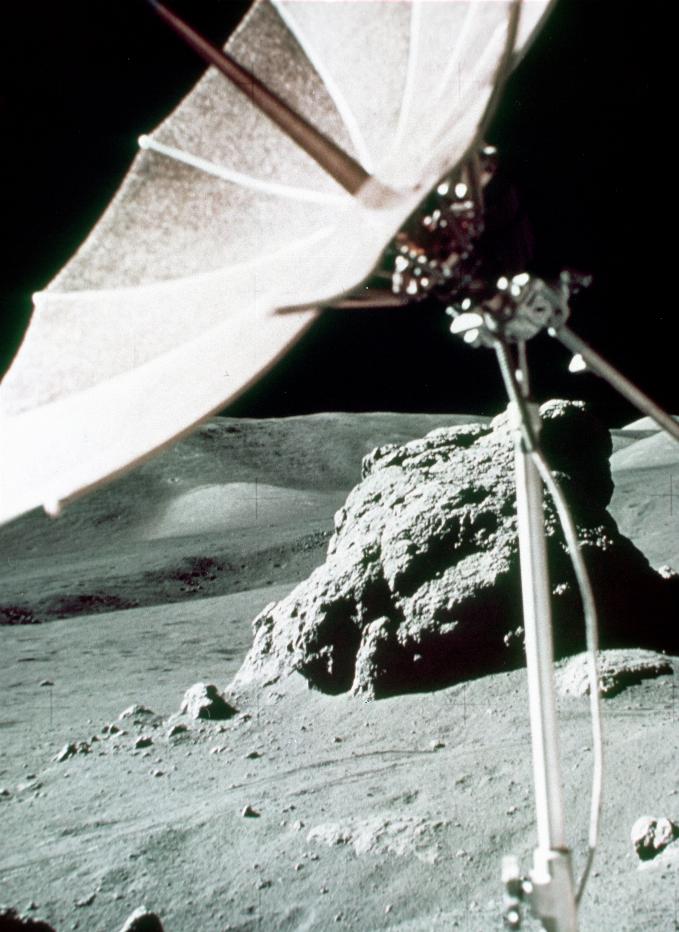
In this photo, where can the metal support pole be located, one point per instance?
(616, 379)
(553, 894)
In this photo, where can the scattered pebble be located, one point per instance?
(249, 813)
(143, 741)
(253, 755)
(204, 701)
(650, 836)
(111, 729)
(86, 900)
(177, 729)
(136, 711)
(157, 773)
(71, 749)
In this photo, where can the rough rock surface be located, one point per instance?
(203, 700)
(618, 669)
(650, 836)
(420, 587)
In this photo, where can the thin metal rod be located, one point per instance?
(337, 163)
(538, 628)
(503, 71)
(592, 637)
(616, 379)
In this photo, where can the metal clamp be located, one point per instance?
(547, 891)
(520, 308)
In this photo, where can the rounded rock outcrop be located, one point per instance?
(420, 588)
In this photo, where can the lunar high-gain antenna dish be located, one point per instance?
(347, 147)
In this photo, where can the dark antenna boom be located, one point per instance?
(337, 163)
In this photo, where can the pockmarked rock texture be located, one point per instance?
(420, 588)
(203, 700)
(650, 836)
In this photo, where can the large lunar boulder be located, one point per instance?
(421, 587)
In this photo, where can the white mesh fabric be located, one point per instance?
(168, 310)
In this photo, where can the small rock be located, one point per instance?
(141, 920)
(143, 741)
(249, 813)
(46, 683)
(618, 669)
(203, 700)
(177, 729)
(5, 793)
(32, 785)
(86, 900)
(650, 836)
(157, 773)
(111, 729)
(253, 755)
(136, 711)
(263, 884)
(437, 744)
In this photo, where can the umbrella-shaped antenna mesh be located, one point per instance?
(168, 311)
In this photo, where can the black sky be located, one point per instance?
(583, 129)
